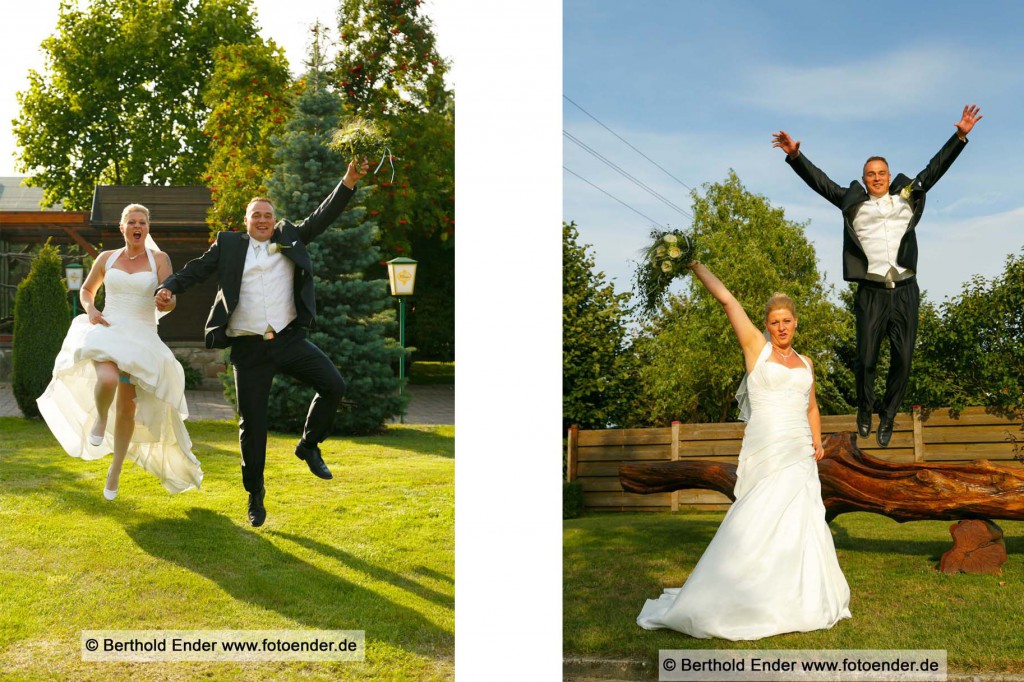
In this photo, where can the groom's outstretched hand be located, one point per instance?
(357, 168)
(783, 141)
(971, 115)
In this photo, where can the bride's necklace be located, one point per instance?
(133, 257)
(785, 357)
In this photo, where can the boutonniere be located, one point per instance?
(277, 247)
(907, 191)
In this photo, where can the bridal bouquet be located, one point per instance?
(359, 137)
(667, 257)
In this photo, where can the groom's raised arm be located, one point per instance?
(331, 207)
(808, 172)
(941, 162)
(194, 272)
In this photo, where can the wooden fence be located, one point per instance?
(595, 455)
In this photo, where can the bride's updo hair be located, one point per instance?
(134, 208)
(778, 301)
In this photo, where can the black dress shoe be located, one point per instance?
(863, 424)
(314, 460)
(884, 432)
(257, 512)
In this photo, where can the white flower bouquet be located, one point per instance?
(668, 257)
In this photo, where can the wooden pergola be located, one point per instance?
(177, 223)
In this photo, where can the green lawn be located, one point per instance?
(429, 372)
(899, 600)
(372, 549)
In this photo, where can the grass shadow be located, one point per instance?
(376, 572)
(253, 570)
(412, 439)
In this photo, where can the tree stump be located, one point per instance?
(977, 548)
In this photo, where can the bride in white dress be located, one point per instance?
(771, 567)
(116, 354)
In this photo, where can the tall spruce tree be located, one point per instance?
(354, 315)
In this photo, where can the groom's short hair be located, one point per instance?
(255, 199)
(876, 158)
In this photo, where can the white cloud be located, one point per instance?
(883, 86)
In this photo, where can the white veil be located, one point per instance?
(151, 246)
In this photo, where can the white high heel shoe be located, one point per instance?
(109, 494)
(96, 439)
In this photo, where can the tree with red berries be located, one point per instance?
(250, 97)
(389, 71)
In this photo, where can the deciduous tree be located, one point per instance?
(389, 70)
(120, 98)
(250, 97)
(690, 363)
(597, 372)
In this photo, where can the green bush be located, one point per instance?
(227, 380)
(572, 500)
(193, 377)
(41, 319)
(422, 372)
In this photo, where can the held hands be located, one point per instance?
(971, 116)
(165, 300)
(357, 168)
(783, 141)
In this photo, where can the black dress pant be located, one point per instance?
(255, 362)
(884, 312)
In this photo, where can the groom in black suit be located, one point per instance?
(880, 254)
(264, 307)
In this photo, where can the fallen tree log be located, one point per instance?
(854, 481)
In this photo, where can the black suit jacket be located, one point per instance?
(850, 199)
(226, 257)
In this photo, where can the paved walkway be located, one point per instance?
(428, 404)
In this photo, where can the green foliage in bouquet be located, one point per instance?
(667, 257)
(360, 137)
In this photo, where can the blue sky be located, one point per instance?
(700, 88)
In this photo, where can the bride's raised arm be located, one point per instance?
(750, 337)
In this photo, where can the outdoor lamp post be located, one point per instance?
(402, 277)
(74, 273)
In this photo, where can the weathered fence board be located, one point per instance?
(595, 455)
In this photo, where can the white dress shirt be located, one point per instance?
(266, 300)
(880, 225)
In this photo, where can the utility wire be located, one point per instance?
(627, 143)
(626, 175)
(613, 197)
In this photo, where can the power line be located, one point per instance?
(626, 175)
(627, 142)
(613, 197)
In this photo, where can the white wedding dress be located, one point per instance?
(771, 567)
(160, 444)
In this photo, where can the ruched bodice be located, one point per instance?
(129, 296)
